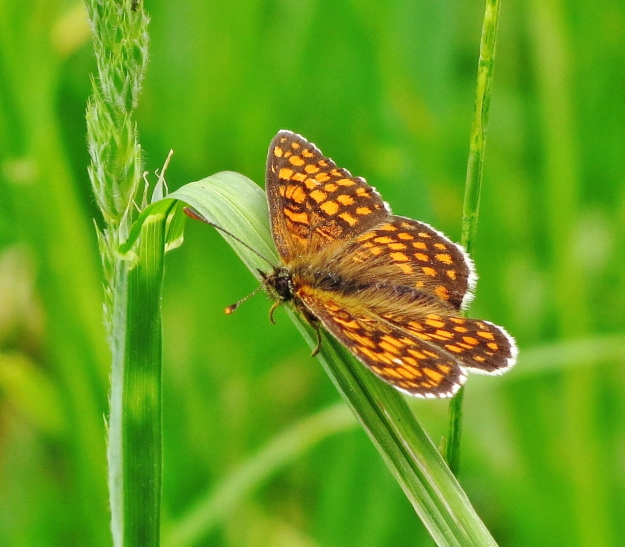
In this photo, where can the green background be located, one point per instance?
(385, 89)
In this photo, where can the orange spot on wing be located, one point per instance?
(329, 207)
(322, 177)
(399, 257)
(345, 199)
(416, 353)
(318, 196)
(285, 173)
(348, 218)
(442, 292)
(302, 218)
(388, 347)
(347, 324)
(362, 340)
(296, 193)
(432, 322)
(433, 375)
(453, 348)
(311, 183)
(394, 341)
(298, 161)
(368, 353)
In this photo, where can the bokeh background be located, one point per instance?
(386, 89)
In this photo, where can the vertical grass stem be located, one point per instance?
(473, 188)
(132, 285)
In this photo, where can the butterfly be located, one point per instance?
(389, 288)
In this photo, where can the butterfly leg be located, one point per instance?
(314, 323)
(317, 328)
(273, 308)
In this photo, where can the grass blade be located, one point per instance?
(235, 203)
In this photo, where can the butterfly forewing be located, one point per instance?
(312, 202)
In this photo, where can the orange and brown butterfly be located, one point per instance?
(390, 289)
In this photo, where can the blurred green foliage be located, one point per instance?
(386, 89)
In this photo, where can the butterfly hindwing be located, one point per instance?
(476, 344)
(396, 356)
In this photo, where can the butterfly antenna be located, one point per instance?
(192, 213)
(234, 306)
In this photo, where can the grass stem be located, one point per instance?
(132, 282)
(473, 188)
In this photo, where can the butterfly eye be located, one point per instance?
(283, 287)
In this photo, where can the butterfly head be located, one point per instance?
(279, 283)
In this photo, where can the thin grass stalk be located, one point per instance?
(132, 281)
(473, 188)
